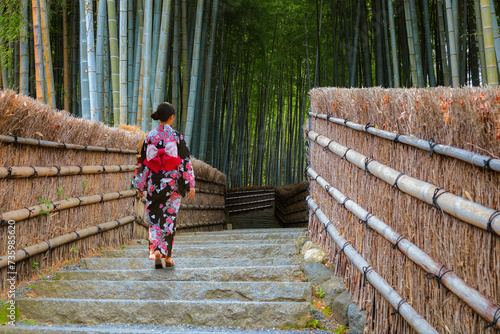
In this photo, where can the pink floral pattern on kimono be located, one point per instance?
(163, 199)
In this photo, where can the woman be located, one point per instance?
(163, 170)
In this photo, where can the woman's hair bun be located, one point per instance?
(155, 116)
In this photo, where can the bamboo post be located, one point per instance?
(465, 210)
(484, 306)
(37, 36)
(414, 319)
(452, 44)
(450, 151)
(123, 62)
(23, 50)
(496, 33)
(49, 73)
(480, 40)
(489, 46)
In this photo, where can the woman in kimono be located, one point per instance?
(163, 170)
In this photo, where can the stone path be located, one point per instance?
(229, 278)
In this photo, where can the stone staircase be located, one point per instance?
(229, 278)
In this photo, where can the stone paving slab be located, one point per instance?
(199, 312)
(221, 251)
(168, 290)
(221, 274)
(205, 262)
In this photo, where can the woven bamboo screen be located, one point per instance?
(468, 119)
(67, 177)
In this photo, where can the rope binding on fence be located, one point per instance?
(439, 277)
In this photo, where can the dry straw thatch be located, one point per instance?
(467, 118)
(26, 118)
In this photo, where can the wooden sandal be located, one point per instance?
(158, 264)
(169, 262)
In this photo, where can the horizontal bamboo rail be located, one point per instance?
(199, 224)
(209, 181)
(194, 206)
(414, 319)
(473, 213)
(249, 196)
(51, 144)
(20, 172)
(450, 151)
(210, 192)
(290, 212)
(263, 191)
(253, 202)
(281, 198)
(283, 202)
(33, 211)
(251, 209)
(64, 239)
(481, 304)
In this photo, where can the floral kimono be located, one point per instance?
(163, 200)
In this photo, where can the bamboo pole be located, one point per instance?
(20, 172)
(415, 320)
(163, 49)
(52, 144)
(450, 151)
(66, 73)
(188, 131)
(146, 49)
(91, 69)
(37, 36)
(130, 60)
(115, 60)
(411, 46)
(23, 50)
(452, 44)
(480, 41)
(157, 15)
(137, 67)
(65, 239)
(481, 304)
(37, 210)
(442, 42)
(101, 36)
(84, 76)
(456, 206)
(496, 33)
(49, 73)
(489, 47)
(123, 62)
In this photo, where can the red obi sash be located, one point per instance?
(162, 162)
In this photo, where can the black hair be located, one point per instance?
(164, 111)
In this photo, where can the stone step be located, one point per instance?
(145, 263)
(220, 274)
(220, 251)
(244, 291)
(22, 328)
(162, 312)
(192, 243)
(241, 236)
(253, 231)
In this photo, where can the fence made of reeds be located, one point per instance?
(290, 206)
(405, 196)
(66, 189)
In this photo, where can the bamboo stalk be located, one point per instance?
(100, 53)
(20, 172)
(66, 73)
(123, 62)
(23, 50)
(481, 304)
(37, 36)
(115, 60)
(84, 76)
(452, 44)
(442, 42)
(34, 211)
(489, 46)
(91, 52)
(52, 144)
(146, 49)
(130, 61)
(465, 210)
(415, 320)
(64, 239)
(480, 40)
(496, 33)
(137, 67)
(49, 73)
(163, 49)
(449, 151)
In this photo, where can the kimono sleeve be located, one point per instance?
(186, 166)
(139, 181)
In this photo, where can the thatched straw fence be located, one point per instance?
(409, 178)
(290, 206)
(66, 189)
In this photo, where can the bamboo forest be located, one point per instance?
(238, 72)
